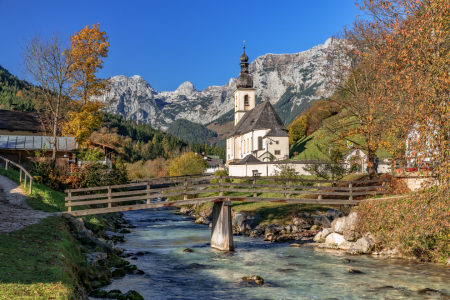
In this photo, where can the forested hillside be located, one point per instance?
(14, 91)
(193, 132)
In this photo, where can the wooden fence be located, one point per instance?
(108, 199)
(9, 163)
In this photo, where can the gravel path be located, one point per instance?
(15, 213)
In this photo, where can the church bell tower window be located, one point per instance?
(246, 102)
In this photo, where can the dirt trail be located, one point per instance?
(15, 213)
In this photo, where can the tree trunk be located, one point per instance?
(55, 131)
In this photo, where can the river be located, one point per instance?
(289, 272)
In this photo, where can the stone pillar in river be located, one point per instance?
(222, 231)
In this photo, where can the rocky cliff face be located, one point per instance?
(289, 81)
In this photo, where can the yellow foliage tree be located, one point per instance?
(88, 47)
(297, 129)
(187, 164)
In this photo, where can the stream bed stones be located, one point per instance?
(254, 278)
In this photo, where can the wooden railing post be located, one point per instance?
(320, 196)
(6, 166)
(220, 186)
(288, 195)
(148, 192)
(20, 180)
(25, 181)
(255, 194)
(31, 184)
(109, 197)
(185, 189)
(350, 185)
(69, 194)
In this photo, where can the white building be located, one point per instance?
(257, 131)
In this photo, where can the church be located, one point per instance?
(258, 133)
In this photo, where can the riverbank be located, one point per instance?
(61, 257)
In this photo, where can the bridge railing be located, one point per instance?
(23, 173)
(108, 199)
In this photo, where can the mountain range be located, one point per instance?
(291, 82)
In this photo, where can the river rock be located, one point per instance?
(314, 228)
(346, 245)
(273, 228)
(256, 233)
(86, 233)
(294, 228)
(131, 295)
(303, 215)
(110, 243)
(354, 271)
(334, 239)
(434, 293)
(254, 278)
(270, 237)
(321, 220)
(188, 250)
(350, 235)
(94, 258)
(119, 272)
(363, 245)
(288, 229)
(132, 269)
(250, 222)
(98, 293)
(334, 213)
(199, 220)
(75, 224)
(302, 223)
(118, 250)
(321, 235)
(113, 294)
(125, 231)
(184, 209)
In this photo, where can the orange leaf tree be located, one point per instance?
(88, 48)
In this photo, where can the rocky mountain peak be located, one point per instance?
(288, 81)
(186, 88)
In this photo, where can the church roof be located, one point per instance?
(249, 159)
(262, 116)
(276, 132)
(244, 80)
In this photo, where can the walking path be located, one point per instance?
(15, 213)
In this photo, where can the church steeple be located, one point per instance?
(244, 80)
(245, 93)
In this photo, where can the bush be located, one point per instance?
(418, 225)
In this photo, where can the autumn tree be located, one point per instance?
(187, 164)
(88, 48)
(50, 71)
(297, 129)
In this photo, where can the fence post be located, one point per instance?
(109, 197)
(148, 192)
(350, 185)
(20, 175)
(31, 184)
(25, 186)
(6, 166)
(319, 185)
(255, 194)
(185, 189)
(69, 194)
(220, 186)
(288, 195)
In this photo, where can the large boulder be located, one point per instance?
(363, 245)
(131, 295)
(321, 235)
(334, 213)
(346, 245)
(256, 233)
(200, 220)
(334, 239)
(321, 220)
(86, 233)
(350, 235)
(352, 219)
(338, 225)
(75, 224)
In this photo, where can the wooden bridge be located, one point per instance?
(117, 198)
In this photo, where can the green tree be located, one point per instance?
(187, 164)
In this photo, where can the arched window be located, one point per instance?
(246, 102)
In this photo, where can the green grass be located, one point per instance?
(39, 262)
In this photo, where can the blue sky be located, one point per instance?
(169, 42)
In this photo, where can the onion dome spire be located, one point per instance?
(244, 80)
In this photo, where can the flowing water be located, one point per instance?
(289, 273)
